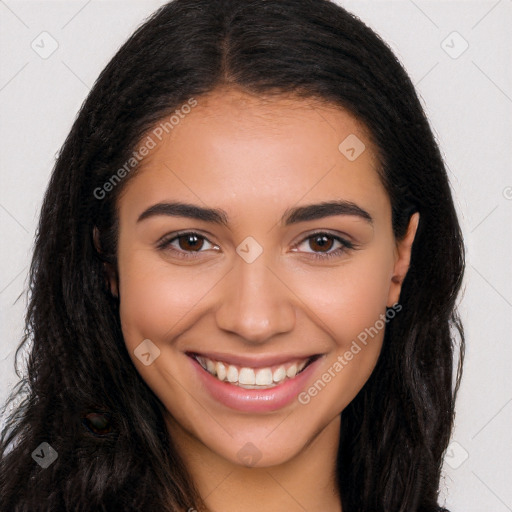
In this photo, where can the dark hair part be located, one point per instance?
(395, 431)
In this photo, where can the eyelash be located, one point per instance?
(165, 244)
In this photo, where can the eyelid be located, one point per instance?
(345, 240)
(181, 232)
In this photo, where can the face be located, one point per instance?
(256, 259)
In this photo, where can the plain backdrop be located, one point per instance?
(458, 54)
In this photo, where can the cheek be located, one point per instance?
(350, 298)
(351, 304)
(156, 297)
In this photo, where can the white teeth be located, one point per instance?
(302, 366)
(247, 376)
(279, 374)
(264, 377)
(232, 374)
(221, 371)
(210, 366)
(292, 371)
(250, 378)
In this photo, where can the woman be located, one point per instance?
(244, 278)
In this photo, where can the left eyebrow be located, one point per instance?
(290, 216)
(326, 209)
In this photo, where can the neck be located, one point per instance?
(305, 482)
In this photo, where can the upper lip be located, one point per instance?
(261, 361)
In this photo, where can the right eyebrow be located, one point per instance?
(177, 209)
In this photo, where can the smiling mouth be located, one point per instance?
(253, 378)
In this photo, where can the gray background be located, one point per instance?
(467, 93)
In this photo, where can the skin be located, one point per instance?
(255, 158)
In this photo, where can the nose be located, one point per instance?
(255, 304)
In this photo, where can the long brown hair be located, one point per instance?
(84, 396)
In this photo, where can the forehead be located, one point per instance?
(252, 152)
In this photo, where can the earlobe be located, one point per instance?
(108, 269)
(403, 259)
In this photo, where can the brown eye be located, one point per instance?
(324, 245)
(321, 243)
(190, 242)
(186, 245)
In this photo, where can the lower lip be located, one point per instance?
(254, 400)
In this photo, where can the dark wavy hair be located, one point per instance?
(81, 392)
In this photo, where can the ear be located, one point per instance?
(402, 261)
(108, 268)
